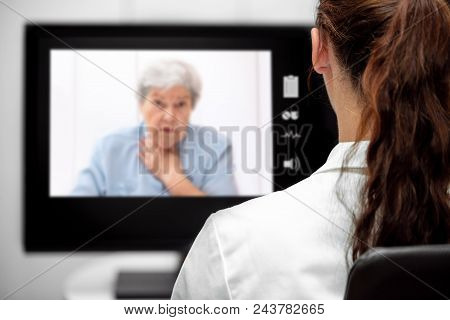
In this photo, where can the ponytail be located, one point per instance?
(405, 84)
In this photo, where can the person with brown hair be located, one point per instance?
(386, 68)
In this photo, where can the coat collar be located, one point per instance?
(338, 153)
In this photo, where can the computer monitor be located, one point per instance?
(134, 135)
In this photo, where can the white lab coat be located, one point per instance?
(290, 244)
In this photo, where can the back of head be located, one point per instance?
(397, 55)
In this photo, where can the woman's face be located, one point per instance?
(166, 113)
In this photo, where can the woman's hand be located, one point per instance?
(165, 164)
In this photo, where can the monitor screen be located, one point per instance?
(134, 135)
(118, 117)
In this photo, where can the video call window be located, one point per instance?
(130, 122)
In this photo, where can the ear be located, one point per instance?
(320, 52)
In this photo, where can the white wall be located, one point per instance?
(16, 267)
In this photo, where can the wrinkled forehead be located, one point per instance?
(177, 92)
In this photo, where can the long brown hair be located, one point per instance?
(397, 55)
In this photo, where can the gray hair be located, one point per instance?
(170, 73)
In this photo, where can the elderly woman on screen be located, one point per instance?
(165, 154)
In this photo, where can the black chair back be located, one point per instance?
(401, 273)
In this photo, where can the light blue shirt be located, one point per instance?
(115, 168)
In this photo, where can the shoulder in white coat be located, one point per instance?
(289, 244)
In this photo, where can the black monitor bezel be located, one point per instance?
(66, 224)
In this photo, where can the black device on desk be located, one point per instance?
(144, 285)
(81, 85)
